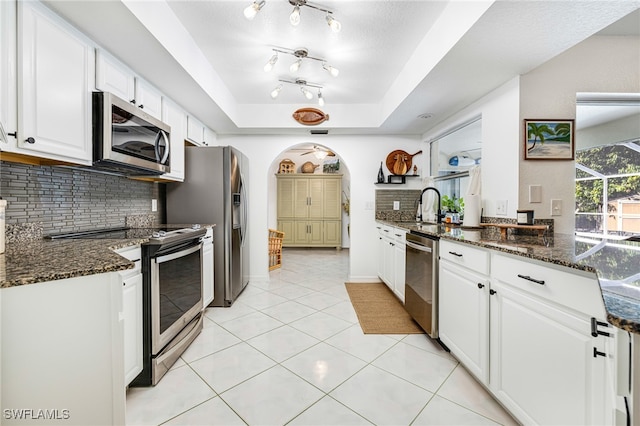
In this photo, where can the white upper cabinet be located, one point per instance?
(115, 77)
(8, 94)
(175, 117)
(55, 76)
(195, 131)
(210, 137)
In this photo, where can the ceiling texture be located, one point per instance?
(398, 60)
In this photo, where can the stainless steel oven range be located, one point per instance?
(172, 299)
(171, 292)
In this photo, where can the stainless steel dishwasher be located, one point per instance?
(421, 281)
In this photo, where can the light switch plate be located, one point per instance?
(396, 205)
(154, 205)
(556, 207)
(535, 193)
(501, 207)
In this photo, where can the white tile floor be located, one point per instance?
(291, 351)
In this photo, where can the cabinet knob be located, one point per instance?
(480, 285)
(30, 140)
(141, 106)
(132, 101)
(492, 292)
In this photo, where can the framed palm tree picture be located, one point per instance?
(548, 140)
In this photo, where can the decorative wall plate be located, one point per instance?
(399, 162)
(310, 116)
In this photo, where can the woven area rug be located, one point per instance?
(379, 311)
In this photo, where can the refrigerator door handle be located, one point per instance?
(243, 206)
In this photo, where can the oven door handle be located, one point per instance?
(172, 256)
(419, 247)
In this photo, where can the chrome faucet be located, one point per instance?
(439, 213)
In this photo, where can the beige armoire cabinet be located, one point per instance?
(310, 210)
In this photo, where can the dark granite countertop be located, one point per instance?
(41, 260)
(48, 260)
(614, 262)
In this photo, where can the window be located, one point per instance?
(608, 189)
(452, 154)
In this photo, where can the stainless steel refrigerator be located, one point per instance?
(215, 191)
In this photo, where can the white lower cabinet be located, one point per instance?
(62, 350)
(132, 313)
(464, 316)
(380, 251)
(400, 255)
(543, 367)
(525, 329)
(391, 258)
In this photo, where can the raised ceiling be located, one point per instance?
(397, 59)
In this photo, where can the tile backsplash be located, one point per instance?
(62, 199)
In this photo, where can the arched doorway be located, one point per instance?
(318, 158)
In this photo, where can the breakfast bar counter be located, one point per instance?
(614, 262)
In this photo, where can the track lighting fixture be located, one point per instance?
(304, 88)
(307, 94)
(295, 66)
(333, 71)
(252, 10)
(269, 65)
(300, 53)
(333, 23)
(275, 92)
(294, 18)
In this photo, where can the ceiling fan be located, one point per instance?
(320, 152)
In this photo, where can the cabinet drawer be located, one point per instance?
(398, 234)
(578, 290)
(475, 259)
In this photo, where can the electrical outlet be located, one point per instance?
(154, 205)
(535, 193)
(556, 207)
(501, 207)
(368, 205)
(396, 205)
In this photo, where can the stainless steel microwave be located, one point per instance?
(127, 140)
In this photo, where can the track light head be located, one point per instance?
(252, 10)
(320, 99)
(275, 92)
(294, 18)
(296, 65)
(332, 70)
(269, 65)
(307, 94)
(333, 23)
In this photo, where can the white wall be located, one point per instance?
(499, 112)
(598, 64)
(362, 156)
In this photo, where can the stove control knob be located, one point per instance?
(195, 226)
